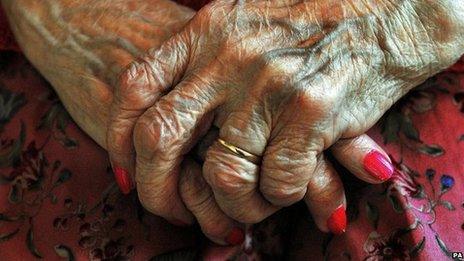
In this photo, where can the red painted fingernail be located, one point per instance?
(378, 165)
(235, 237)
(123, 180)
(337, 221)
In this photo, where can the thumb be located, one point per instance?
(140, 85)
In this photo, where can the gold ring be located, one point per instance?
(240, 152)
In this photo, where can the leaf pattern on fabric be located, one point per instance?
(403, 218)
(56, 119)
(397, 125)
(10, 103)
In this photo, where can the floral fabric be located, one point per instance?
(58, 199)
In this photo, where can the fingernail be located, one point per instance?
(235, 237)
(378, 165)
(122, 179)
(337, 221)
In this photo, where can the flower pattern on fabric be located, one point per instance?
(386, 247)
(55, 206)
(60, 202)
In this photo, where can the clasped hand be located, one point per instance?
(283, 80)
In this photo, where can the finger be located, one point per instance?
(288, 164)
(140, 86)
(162, 135)
(325, 198)
(199, 199)
(234, 179)
(364, 158)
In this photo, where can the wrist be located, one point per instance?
(80, 48)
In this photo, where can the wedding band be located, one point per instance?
(240, 152)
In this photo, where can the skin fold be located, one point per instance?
(81, 47)
(90, 42)
(284, 80)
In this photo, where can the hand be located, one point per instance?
(89, 101)
(285, 81)
(82, 63)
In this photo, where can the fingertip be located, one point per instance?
(123, 180)
(337, 221)
(378, 165)
(198, 198)
(363, 157)
(325, 198)
(235, 237)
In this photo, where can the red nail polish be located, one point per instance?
(235, 237)
(337, 221)
(123, 180)
(378, 165)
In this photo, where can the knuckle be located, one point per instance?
(279, 62)
(288, 160)
(138, 85)
(243, 132)
(135, 76)
(182, 104)
(322, 100)
(226, 175)
(155, 131)
(284, 174)
(146, 138)
(281, 186)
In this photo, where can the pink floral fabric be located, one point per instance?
(58, 199)
(419, 213)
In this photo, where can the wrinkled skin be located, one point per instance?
(81, 47)
(83, 64)
(284, 80)
(86, 89)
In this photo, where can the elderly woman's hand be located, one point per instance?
(285, 80)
